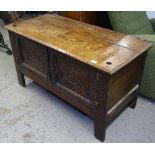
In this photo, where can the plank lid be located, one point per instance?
(99, 47)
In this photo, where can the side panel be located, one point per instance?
(125, 84)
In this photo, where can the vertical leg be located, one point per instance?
(21, 79)
(17, 58)
(132, 104)
(100, 129)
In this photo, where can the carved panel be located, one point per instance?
(73, 75)
(78, 80)
(33, 55)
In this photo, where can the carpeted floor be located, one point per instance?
(32, 114)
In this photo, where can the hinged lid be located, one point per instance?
(102, 48)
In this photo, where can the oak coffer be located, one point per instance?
(94, 69)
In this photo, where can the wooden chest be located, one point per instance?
(94, 69)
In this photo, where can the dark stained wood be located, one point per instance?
(17, 60)
(59, 54)
(68, 70)
(132, 104)
(98, 18)
(125, 101)
(125, 81)
(83, 16)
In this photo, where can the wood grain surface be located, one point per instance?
(101, 48)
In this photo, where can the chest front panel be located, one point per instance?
(32, 56)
